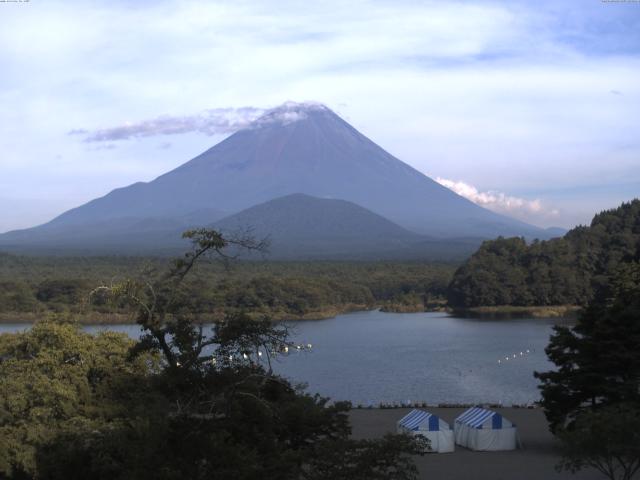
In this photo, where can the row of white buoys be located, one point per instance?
(284, 351)
(296, 348)
(515, 356)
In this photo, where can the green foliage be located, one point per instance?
(54, 378)
(385, 458)
(598, 360)
(280, 290)
(73, 406)
(562, 271)
(62, 291)
(17, 297)
(607, 440)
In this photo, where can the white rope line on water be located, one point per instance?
(516, 356)
(286, 351)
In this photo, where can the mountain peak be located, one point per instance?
(302, 148)
(288, 112)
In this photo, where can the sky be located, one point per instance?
(527, 108)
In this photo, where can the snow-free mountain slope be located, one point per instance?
(302, 226)
(295, 148)
(302, 148)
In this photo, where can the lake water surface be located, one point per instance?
(375, 357)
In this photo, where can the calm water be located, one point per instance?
(374, 357)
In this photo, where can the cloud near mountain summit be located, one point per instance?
(214, 121)
(210, 122)
(501, 202)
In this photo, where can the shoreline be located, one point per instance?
(115, 318)
(425, 405)
(101, 318)
(543, 311)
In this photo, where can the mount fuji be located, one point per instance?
(292, 149)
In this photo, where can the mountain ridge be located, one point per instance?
(295, 148)
(303, 226)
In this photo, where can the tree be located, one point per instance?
(560, 271)
(218, 409)
(598, 360)
(164, 308)
(55, 378)
(607, 439)
(384, 459)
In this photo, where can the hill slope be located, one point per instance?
(561, 271)
(302, 226)
(123, 235)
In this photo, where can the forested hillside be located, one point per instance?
(561, 271)
(33, 286)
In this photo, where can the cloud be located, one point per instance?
(529, 210)
(214, 121)
(288, 112)
(108, 146)
(520, 101)
(210, 122)
(77, 131)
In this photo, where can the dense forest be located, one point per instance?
(561, 271)
(33, 286)
(505, 271)
(184, 401)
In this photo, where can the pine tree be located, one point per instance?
(598, 360)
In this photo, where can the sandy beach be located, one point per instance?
(535, 461)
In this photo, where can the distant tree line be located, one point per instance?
(561, 271)
(279, 289)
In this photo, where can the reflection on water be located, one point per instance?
(376, 357)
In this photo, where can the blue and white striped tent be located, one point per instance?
(436, 430)
(482, 429)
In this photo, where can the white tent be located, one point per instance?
(486, 430)
(436, 430)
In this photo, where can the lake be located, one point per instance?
(375, 357)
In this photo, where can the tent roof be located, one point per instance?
(415, 418)
(476, 416)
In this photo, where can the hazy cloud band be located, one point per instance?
(214, 121)
(209, 122)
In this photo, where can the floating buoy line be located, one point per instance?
(515, 356)
(286, 350)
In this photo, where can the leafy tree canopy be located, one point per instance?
(55, 378)
(561, 271)
(607, 440)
